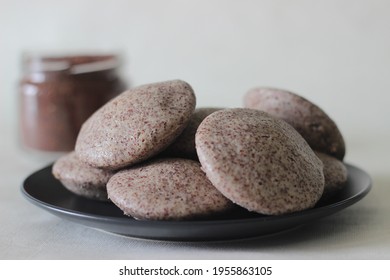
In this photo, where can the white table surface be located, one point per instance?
(361, 231)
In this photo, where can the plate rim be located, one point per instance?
(333, 207)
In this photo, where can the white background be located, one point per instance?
(336, 53)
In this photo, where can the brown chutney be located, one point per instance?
(57, 94)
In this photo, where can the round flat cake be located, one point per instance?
(166, 189)
(315, 126)
(259, 162)
(136, 125)
(80, 178)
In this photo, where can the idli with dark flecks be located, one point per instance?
(315, 126)
(184, 145)
(80, 178)
(259, 162)
(166, 189)
(335, 174)
(136, 125)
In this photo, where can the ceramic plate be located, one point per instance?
(43, 190)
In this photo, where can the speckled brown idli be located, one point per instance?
(136, 125)
(335, 174)
(316, 127)
(259, 162)
(184, 145)
(80, 178)
(166, 189)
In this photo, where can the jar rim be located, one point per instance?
(74, 64)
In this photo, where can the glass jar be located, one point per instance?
(57, 94)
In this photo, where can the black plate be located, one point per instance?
(43, 190)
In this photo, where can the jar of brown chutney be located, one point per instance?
(57, 94)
